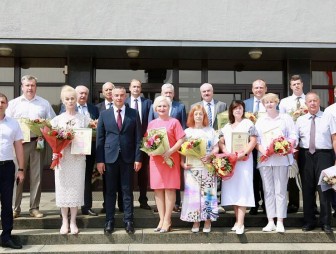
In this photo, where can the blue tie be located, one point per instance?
(209, 114)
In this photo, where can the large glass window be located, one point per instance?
(271, 77)
(6, 69)
(222, 77)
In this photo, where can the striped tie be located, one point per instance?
(209, 114)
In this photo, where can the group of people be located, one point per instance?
(123, 122)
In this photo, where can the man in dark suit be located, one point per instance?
(83, 107)
(254, 105)
(178, 112)
(142, 105)
(212, 106)
(118, 156)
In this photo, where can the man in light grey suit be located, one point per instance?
(213, 107)
(254, 105)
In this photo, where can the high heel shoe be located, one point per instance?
(234, 228)
(169, 229)
(195, 227)
(207, 230)
(157, 230)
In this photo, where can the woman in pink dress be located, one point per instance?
(163, 179)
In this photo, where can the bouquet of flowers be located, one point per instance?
(251, 116)
(156, 143)
(295, 113)
(223, 165)
(35, 127)
(279, 146)
(193, 147)
(93, 126)
(328, 178)
(58, 139)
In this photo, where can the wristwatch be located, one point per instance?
(20, 169)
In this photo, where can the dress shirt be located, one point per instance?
(37, 107)
(212, 106)
(83, 109)
(107, 106)
(10, 132)
(288, 104)
(330, 110)
(139, 105)
(325, 127)
(286, 124)
(261, 106)
(123, 109)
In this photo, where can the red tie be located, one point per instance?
(119, 120)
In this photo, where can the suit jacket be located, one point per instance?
(101, 106)
(145, 108)
(178, 112)
(219, 108)
(249, 104)
(92, 109)
(111, 141)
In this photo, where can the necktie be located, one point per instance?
(312, 147)
(298, 105)
(209, 114)
(136, 104)
(119, 120)
(257, 106)
(82, 109)
(109, 105)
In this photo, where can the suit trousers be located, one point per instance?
(89, 164)
(117, 173)
(143, 179)
(7, 176)
(313, 164)
(34, 158)
(257, 183)
(274, 179)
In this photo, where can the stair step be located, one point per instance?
(249, 248)
(177, 236)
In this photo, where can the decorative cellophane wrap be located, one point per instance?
(222, 119)
(223, 165)
(35, 127)
(328, 179)
(194, 147)
(279, 146)
(58, 139)
(156, 143)
(296, 113)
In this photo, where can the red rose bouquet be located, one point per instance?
(223, 165)
(279, 146)
(58, 139)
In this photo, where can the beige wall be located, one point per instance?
(300, 21)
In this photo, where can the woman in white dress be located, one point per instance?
(274, 170)
(238, 190)
(200, 191)
(70, 174)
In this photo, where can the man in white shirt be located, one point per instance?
(31, 106)
(107, 93)
(288, 105)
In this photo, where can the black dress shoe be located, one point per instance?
(89, 212)
(11, 244)
(292, 209)
(327, 229)
(145, 206)
(308, 227)
(253, 211)
(109, 227)
(129, 227)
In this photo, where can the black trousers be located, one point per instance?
(90, 161)
(119, 173)
(7, 176)
(257, 183)
(310, 170)
(143, 179)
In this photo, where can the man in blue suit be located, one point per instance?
(118, 156)
(85, 108)
(178, 112)
(254, 105)
(142, 105)
(213, 107)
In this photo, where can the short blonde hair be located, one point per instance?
(68, 89)
(270, 97)
(161, 99)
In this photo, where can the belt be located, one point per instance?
(318, 150)
(5, 162)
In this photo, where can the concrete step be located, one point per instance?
(145, 219)
(234, 248)
(177, 236)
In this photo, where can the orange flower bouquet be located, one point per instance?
(279, 146)
(58, 139)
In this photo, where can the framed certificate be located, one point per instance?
(272, 134)
(239, 141)
(194, 162)
(25, 129)
(81, 144)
